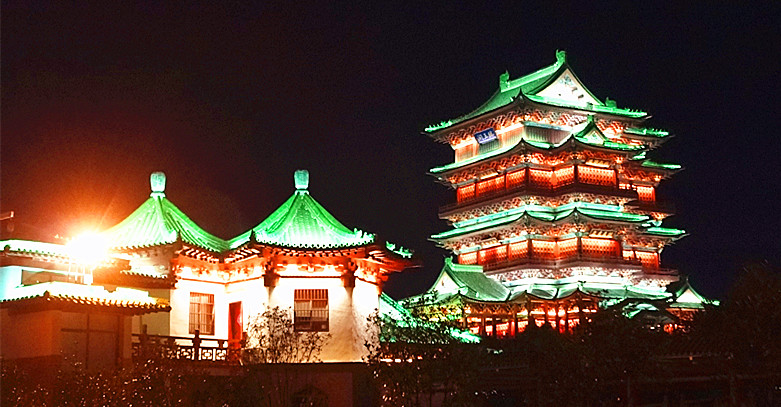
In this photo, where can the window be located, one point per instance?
(311, 310)
(202, 313)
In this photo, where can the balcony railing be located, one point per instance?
(564, 261)
(535, 189)
(184, 348)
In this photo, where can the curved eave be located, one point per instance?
(67, 302)
(575, 214)
(511, 90)
(647, 133)
(158, 222)
(672, 234)
(580, 291)
(570, 142)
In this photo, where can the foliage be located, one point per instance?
(414, 362)
(746, 329)
(272, 353)
(153, 380)
(272, 338)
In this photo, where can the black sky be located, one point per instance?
(229, 100)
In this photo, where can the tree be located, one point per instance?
(416, 362)
(273, 356)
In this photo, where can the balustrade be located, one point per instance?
(183, 348)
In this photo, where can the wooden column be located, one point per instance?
(556, 311)
(529, 317)
(482, 323)
(515, 321)
(545, 313)
(493, 324)
(566, 318)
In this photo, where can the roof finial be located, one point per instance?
(157, 180)
(301, 178)
(561, 56)
(504, 80)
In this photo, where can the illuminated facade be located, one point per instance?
(166, 276)
(555, 211)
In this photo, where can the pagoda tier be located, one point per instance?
(555, 201)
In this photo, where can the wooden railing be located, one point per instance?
(532, 189)
(186, 348)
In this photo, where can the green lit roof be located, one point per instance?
(301, 222)
(529, 86)
(653, 164)
(665, 231)
(646, 132)
(392, 312)
(587, 133)
(542, 213)
(684, 296)
(601, 287)
(472, 282)
(158, 221)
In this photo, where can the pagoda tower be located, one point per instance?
(555, 212)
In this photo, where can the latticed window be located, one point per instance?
(540, 178)
(202, 313)
(648, 259)
(493, 255)
(596, 176)
(311, 310)
(564, 176)
(467, 258)
(568, 247)
(599, 247)
(465, 193)
(490, 185)
(519, 249)
(646, 193)
(516, 178)
(544, 249)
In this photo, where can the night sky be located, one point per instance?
(229, 100)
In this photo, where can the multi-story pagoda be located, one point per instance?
(555, 211)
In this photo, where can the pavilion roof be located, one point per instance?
(301, 222)
(157, 222)
(464, 280)
(586, 135)
(534, 87)
(393, 312)
(79, 295)
(684, 296)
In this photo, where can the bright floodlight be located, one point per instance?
(88, 248)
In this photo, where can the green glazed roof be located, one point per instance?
(542, 213)
(587, 134)
(392, 312)
(653, 164)
(158, 221)
(602, 287)
(646, 132)
(528, 86)
(665, 231)
(685, 296)
(473, 283)
(508, 91)
(301, 222)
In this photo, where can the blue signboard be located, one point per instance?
(485, 136)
